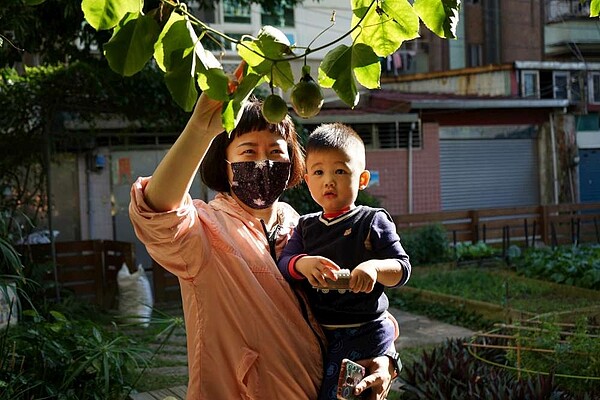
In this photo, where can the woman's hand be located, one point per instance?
(207, 116)
(207, 112)
(381, 371)
(173, 177)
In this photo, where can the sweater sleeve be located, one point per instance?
(175, 239)
(385, 243)
(291, 251)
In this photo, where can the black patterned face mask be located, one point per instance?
(258, 184)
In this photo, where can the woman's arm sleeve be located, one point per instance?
(292, 249)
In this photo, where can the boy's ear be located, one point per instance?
(364, 179)
(306, 178)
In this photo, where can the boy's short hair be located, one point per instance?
(337, 136)
(213, 169)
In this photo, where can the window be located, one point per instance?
(576, 87)
(530, 84)
(282, 15)
(235, 13)
(561, 85)
(595, 88)
(389, 135)
(365, 131)
(384, 135)
(475, 55)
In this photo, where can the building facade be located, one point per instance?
(503, 116)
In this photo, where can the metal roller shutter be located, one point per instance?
(589, 175)
(484, 173)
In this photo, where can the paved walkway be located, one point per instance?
(415, 330)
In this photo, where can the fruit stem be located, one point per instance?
(332, 20)
(305, 69)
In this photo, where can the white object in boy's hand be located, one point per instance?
(342, 284)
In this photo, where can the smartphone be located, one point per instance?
(350, 374)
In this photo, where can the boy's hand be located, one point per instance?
(316, 269)
(363, 277)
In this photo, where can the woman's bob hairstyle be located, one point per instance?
(213, 169)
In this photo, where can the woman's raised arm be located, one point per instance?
(174, 175)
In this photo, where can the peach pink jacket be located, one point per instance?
(246, 335)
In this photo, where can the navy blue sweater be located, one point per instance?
(361, 234)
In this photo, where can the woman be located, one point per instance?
(248, 335)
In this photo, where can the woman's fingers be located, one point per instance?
(236, 77)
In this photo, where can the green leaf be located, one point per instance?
(385, 25)
(230, 113)
(58, 316)
(33, 2)
(206, 58)
(283, 76)
(250, 52)
(273, 42)
(335, 72)
(594, 8)
(440, 16)
(106, 14)
(132, 44)
(366, 66)
(266, 56)
(180, 80)
(214, 83)
(174, 36)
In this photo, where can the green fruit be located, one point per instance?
(306, 96)
(274, 109)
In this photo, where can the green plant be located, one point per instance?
(450, 372)
(56, 357)
(426, 245)
(168, 34)
(502, 287)
(10, 262)
(570, 265)
(569, 352)
(469, 251)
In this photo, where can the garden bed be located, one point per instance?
(497, 294)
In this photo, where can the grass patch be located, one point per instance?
(152, 381)
(503, 287)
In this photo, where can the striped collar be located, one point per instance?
(334, 218)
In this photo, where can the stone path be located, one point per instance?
(415, 330)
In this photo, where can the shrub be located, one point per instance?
(58, 358)
(570, 265)
(568, 352)
(470, 251)
(449, 371)
(426, 245)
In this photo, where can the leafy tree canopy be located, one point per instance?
(56, 31)
(171, 36)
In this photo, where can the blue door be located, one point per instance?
(589, 175)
